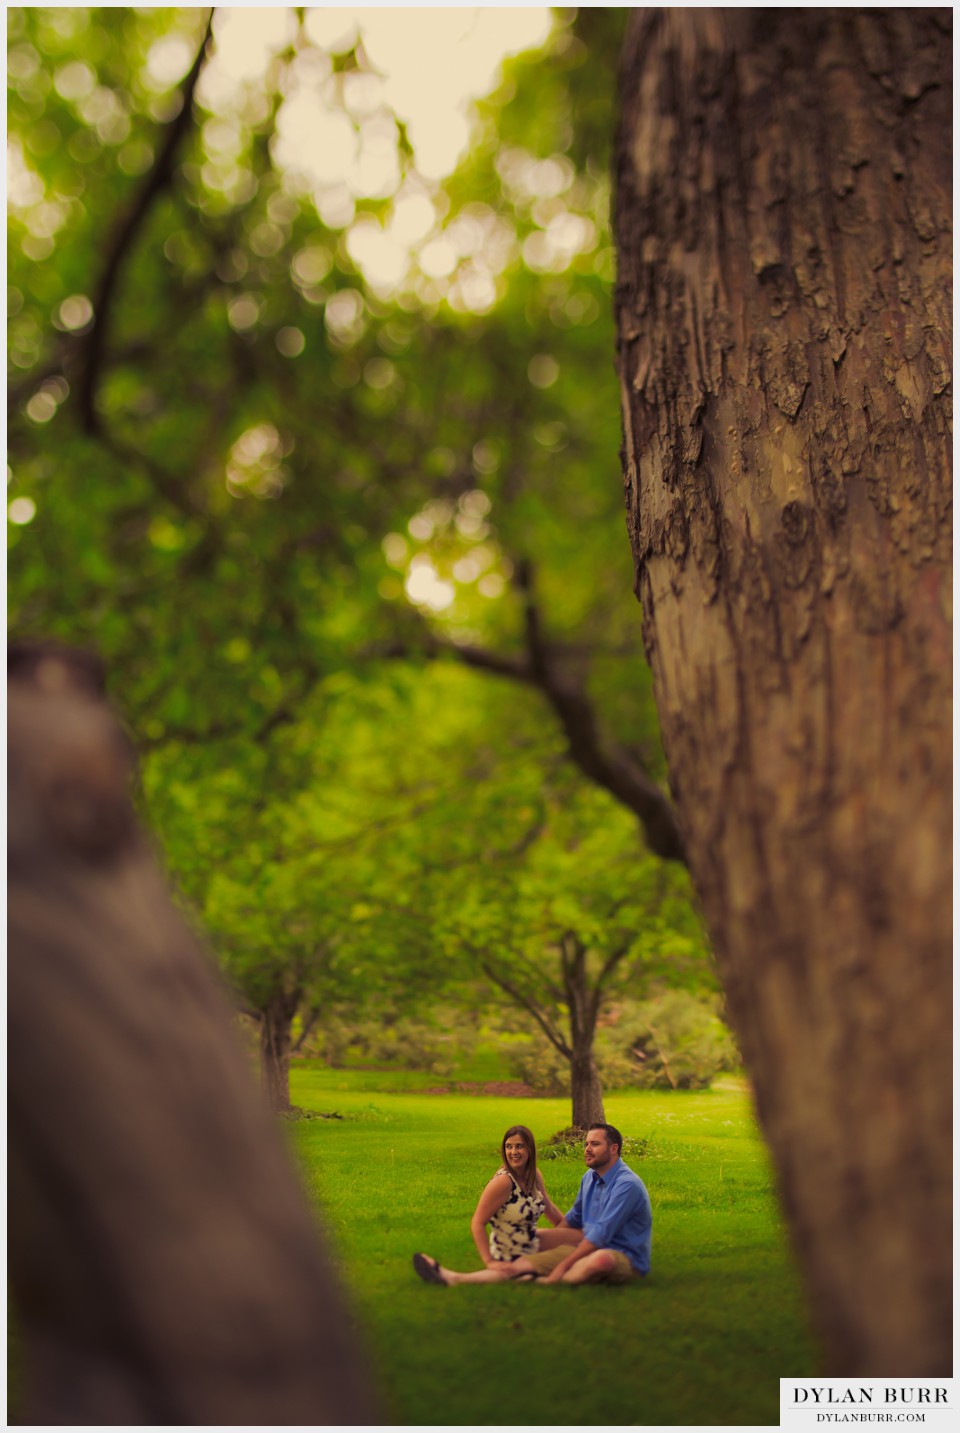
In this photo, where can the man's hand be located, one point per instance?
(578, 1252)
(555, 1275)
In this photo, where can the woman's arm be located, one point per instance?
(494, 1195)
(550, 1209)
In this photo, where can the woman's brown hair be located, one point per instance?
(528, 1180)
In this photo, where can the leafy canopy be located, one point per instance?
(300, 391)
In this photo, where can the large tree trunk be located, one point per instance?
(276, 1024)
(165, 1266)
(784, 311)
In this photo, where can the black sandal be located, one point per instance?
(428, 1269)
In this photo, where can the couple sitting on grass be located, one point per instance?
(603, 1239)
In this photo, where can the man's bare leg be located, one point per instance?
(552, 1238)
(594, 1267)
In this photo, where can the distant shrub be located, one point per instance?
(568, 1144)
(675, 1040)
(383, 1038)
(538, 1064)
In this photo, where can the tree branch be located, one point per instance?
(612, 961)
(571, 964)
(311, 1021)
(606, 970)
(529, 837)
(612, 768)
(607, 764)
(125, 235)
(660, 1051)
(286, 709)
(519, 998)
(484, 661)
(167, 484)
(539, 978)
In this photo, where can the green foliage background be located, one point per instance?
(231, 452)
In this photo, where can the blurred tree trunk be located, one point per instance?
(784, 309)
(583, 1005)
(586, 1090)
(276, 1026)
(165, 1267)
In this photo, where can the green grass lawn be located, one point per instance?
(704, 1339)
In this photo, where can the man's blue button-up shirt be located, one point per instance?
(613, 1210)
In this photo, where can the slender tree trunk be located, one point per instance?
(276, 1023)
(586, 1091)
(784, 310)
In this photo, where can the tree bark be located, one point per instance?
(276, 1024)
(784, 314)
(586, 1091)
(583, 1003)
(165, 1266)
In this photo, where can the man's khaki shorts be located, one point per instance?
(622, 1272)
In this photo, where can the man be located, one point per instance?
(612, 1209)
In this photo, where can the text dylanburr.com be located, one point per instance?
(825, 1402)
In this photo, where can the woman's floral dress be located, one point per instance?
(513, 1229)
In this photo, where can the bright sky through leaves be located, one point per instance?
(428, 65)
(318, 224)
(336, 132)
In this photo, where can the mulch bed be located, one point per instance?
(516, 1089)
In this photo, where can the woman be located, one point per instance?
(512, 1204)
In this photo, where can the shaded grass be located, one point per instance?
(703, 1340)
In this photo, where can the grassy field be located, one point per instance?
(703, 1340)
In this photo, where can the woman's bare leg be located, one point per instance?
(482, 1276)
(493, 1274)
